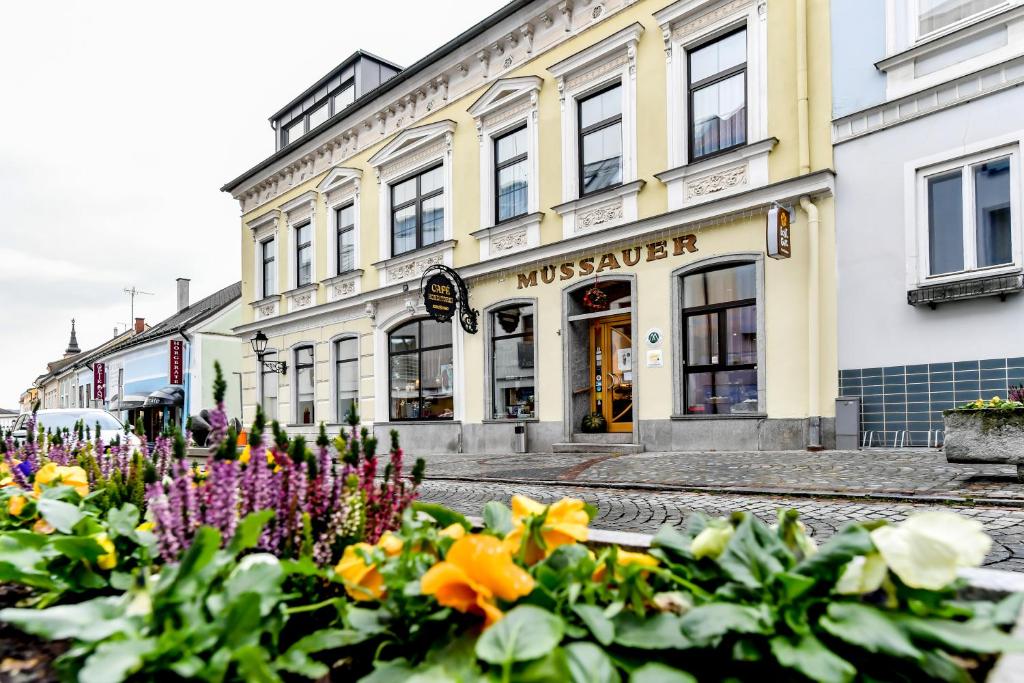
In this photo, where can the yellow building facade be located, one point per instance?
(601, 176)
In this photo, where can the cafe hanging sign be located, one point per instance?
(779, 245)
(591, 265)
(445, 294)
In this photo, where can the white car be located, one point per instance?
(65, 418)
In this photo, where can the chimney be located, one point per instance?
(140, 325)
(183, 293)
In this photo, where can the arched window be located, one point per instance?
(268, 387)
(346, 376)
(305, 403)
(719, 320)
(421, 371)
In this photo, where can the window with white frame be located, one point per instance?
(346, 377)
(934, 16)
(600, 143)
(268, 272)
(305, 384)
(417, 211)
(970, 214)
(303, 253)
(511, 174)
(345, 222)
(268, 386)
(717, 91)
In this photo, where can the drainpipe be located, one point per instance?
(813, 328)
(802, 117)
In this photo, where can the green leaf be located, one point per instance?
(659, 673)
(60, 515)
(247, 535)
(750, 557)
(78, 547)
(808, 656)
(115, 660)
(594, 619)
(869, 628)
(705, 625)
(498, 517)
(122, 521)
(588, 663)
(259, 574)
(553, 666)
(956, 636)
(204, 547)
(254, 667)
(443, 516)
(668, 537)
(1008, 610)
(832, 556)
(659, 631)
(367, 621)
(525, 633)
(91, 621)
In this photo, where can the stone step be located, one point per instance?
(604, 437)
(577, 447)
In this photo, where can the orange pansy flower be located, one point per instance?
(363, 581)
(566, 523)
(625, 558)
(477, 570)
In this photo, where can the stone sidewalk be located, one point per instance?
(905, 474)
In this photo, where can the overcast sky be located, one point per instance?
(121, 121)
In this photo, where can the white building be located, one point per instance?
(928, 133)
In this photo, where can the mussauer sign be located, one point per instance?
(652, 251)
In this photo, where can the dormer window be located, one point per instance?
(317, 113)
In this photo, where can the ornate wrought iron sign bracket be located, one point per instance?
(444, 292)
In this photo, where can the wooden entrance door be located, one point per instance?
(611, 371)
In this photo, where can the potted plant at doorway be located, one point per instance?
(594, 423)
(989, 431)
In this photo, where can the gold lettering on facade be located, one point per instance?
(683, 244)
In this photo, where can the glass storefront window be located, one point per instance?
(305, 412)
(421, 371)
(268, 387)
(512, 363)
(346, 375)
(720, 335)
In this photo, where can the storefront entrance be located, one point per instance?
(611, 370)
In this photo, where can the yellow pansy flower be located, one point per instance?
(15, 504)
(625, 558)
(455, 531)
(478, 570)
(363, 581)
(109, 559)
(52, 473)
(145, 526)
(566, 523)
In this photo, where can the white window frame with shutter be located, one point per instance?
(263, 229)
(916, 175)
(297, 212)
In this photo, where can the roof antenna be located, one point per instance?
(133, 292)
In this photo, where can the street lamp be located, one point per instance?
(259, 347)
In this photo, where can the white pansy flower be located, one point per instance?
(862, 574)
(926, 550)
(711, 541)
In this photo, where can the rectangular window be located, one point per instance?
(720, 336)
(268, 254)
(969, 217)
(512, 363)
(510, 178)
(346, 376)
(417, 211)
(717, 86)
(319, 115)
(936, 15)
(600, 140)
(294, 131)
(305, 382)
(345, 219)
(268, 387)
(421, 371)
(342, 99)
(303, 254)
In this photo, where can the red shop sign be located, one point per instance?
(177, 351)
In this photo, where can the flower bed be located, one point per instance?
(282, 563)
(987, 432)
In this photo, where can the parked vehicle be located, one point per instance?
(65, 418)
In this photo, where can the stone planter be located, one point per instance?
(985, 436)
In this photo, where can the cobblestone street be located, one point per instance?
(906, 473)
(646, 510)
